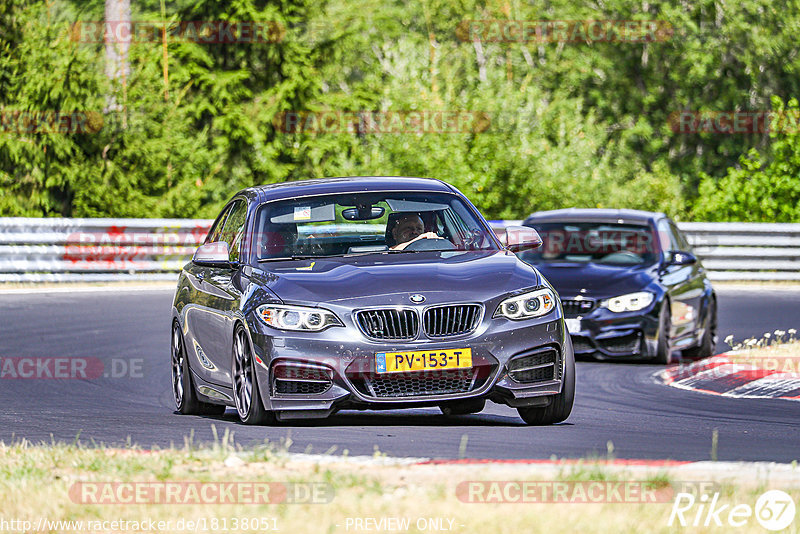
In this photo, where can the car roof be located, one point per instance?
(349, 184)
(621, 216)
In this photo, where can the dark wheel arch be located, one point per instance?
(705, 347)
(183, 388)
(663, 353)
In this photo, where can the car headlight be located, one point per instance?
(527, 305)
(630, 302)
(297, 317)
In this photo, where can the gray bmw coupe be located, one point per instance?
(365, 293)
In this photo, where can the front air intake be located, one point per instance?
(535, 366)
(295, 378)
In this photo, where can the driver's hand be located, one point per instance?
(426, 235)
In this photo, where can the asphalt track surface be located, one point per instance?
(619, 403)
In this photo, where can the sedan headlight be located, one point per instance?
(630, 302)
(297, 317)
(527, 305)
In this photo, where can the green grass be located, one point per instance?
(35, 481)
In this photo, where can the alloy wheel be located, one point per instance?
(177, 366)
(242, 375)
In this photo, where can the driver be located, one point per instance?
(409, 228)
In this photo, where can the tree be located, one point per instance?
(759, 189)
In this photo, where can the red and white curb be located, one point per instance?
(723, 375)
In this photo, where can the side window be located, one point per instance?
(682, 243)
(233, 231)
(472, 234)
(665, 236)
(216, 228)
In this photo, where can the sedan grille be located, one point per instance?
(454, 320)
(421, 384)
(392, 324)
(418, 384)
(576, 307)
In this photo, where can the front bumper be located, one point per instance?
(607, 335)
(303, 375)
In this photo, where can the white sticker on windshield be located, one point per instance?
(302, 214)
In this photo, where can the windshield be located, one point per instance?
(583, 242)
(364, 223)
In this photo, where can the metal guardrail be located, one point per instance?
(97, 250)
(746, 251)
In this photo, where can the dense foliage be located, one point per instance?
(582, 124)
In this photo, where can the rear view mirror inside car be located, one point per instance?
(363, 213)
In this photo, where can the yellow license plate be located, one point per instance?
(423, 360)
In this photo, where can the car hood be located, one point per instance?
(593, 280)
(379, 279)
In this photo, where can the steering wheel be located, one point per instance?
(431, 244)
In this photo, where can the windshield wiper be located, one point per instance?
(300, 257)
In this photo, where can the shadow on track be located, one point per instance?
(353, 418)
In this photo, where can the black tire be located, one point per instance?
(463, 407)
(186, 401)
(561, 405)
(706, 347)
(663, 353)
(245, 383)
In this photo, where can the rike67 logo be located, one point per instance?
(774, 510)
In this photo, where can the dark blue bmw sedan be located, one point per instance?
(365, 293)
(629, 283)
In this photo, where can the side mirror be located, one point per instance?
(678, 257)
(213, 255)
(519, 238)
